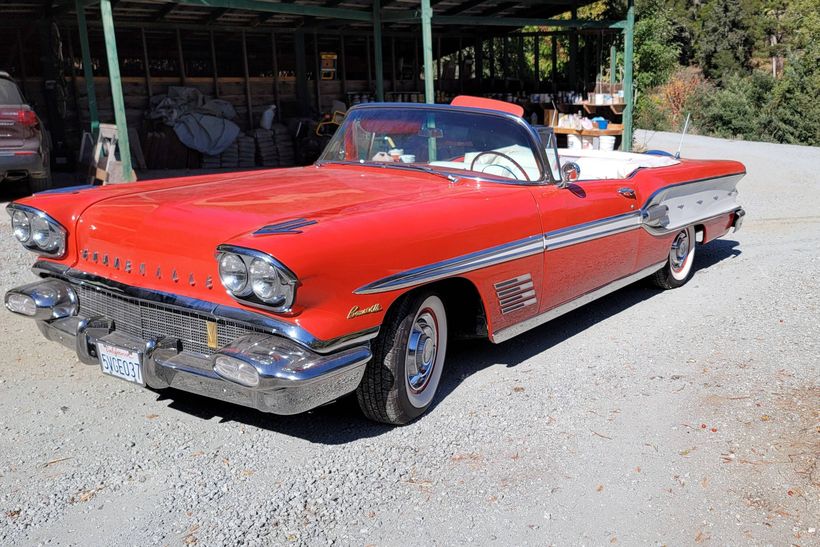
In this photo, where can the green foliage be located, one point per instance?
(723, 38)
(656, 55)
(730, 111)
(793, 113)
(652, 114)
(736, 44)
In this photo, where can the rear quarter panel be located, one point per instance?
(697, 192)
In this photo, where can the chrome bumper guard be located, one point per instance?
(286, 378)
(737, 221)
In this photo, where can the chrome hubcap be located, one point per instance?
(422, 348)
(679, 251)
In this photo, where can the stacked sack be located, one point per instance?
(266, 150)
(284, 145)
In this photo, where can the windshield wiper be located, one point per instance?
(406, 166)
(425, 168)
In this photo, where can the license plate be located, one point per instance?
(120, 362)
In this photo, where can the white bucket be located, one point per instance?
(607, 142)
(573, 142)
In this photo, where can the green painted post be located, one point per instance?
(377, 49)
(116, 89)
(88, 71)
(427, 47)
(611, 68)
(573, 54)
(626, 145)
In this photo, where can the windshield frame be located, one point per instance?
(532, 135)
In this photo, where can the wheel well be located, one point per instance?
(466, 316)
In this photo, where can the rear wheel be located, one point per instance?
(678, 268)
(39, 183)
(401, 380)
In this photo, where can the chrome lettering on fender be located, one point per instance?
(356, 311)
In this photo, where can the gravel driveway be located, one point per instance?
(681, 417)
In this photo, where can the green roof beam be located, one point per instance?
(287, 9)
(88, 71)
(479, 21)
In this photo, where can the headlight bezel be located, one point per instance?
(56, 244)
(288, 280)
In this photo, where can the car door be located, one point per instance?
(591, 238)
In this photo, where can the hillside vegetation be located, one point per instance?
(744, 68)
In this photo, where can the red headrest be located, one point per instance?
(488, 104)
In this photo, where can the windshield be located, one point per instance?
(9, 94)
(444, 140)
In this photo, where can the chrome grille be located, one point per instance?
(514, 294)
(148, 320)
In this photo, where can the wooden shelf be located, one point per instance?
(608, 132)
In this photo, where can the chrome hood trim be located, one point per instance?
(286, 227)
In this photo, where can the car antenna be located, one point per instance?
(683, 135)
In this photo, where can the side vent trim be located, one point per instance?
(514, 294)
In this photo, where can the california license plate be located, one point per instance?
(120, 362)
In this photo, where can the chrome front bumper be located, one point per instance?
(291, 377)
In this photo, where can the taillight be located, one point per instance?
(27, 118)
(23, 116)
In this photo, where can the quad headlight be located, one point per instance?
(37, 231)
(256, 278)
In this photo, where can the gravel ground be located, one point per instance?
(679, 417)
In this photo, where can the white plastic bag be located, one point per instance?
(267, 117)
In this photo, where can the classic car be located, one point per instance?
(283, 290)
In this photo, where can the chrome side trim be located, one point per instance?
(581, 233)
(521, 248)
(654, 217)
(506, 333)
(185, 303)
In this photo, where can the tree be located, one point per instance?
(724, 40)
(656, 54)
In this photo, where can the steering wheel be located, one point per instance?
(506, 157)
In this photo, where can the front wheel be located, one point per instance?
(401, 380)
(678, 268)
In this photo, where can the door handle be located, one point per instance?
(627, 192)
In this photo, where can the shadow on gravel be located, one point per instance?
(341, 422)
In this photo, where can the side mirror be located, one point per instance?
(570, 172)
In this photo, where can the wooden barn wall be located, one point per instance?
(231, 89)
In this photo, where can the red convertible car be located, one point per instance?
(283, 290)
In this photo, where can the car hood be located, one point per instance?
(238, 206)
(168, 235)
